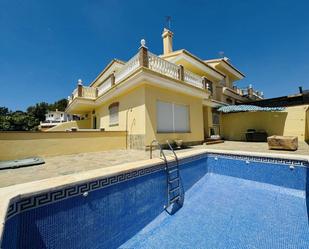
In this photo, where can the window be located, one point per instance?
(215, 118)
(229, 101)
(94, 122)
(209, 85)
(215, 129)
(172, 117)
(114, 114)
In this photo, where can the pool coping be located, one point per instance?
(11, 193)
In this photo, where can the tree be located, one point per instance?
(26, 121)
(38, 111)
(60, 105)
(3, 111)
(17, 121)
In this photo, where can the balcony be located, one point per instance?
(144, 59)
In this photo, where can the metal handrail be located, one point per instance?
(171, 148)
(161, 150)
(177, 162)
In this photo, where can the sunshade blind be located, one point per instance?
(172, 117)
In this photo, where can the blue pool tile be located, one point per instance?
(229, 203)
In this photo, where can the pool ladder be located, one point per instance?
(175, 191)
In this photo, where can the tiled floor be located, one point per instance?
(303, 148)
(69, 164)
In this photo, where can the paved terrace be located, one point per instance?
(70, 164)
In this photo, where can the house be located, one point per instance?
(53, 118)
(170, 96)
(293, 120)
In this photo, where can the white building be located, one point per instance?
(57, 117)
(52, 118)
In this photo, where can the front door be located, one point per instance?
(94, 122)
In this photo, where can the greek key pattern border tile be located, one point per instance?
(19, 205)
(284, 161)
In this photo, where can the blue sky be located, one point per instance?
(46, 46)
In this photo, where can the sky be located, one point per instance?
(46, 46)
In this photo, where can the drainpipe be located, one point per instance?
(127, 115)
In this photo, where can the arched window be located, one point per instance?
(114, 114)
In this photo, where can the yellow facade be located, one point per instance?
(137, 115)
(131, 112)
(154, 94)
(135, 87)
(291, 122)
(307, 126)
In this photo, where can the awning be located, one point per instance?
(249, 108)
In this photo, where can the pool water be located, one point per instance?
(228, 212)
(230, 202)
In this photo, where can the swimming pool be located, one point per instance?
(231, 201)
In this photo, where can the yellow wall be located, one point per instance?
(80, 124)
(296, 122)
(207, 116)
(153, 94)
(15, 145)
(290, 122)
(131, 112)
(137, 114)
(307, 126)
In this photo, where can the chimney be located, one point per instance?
(167, 36)
(300, 89)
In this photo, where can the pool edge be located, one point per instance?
(14, 192)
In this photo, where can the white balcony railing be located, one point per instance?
(107, 84)
(74, 94)
(129, 67)
(245, 92)
(89, 92)
(162, 66)
(155, 63)
(193, 79)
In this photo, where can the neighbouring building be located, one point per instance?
(293, 120)
(53, 118)
(168, 96)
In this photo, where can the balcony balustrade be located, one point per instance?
(193, 79)
(162, 66)
(148, 60)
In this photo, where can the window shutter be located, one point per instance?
(114, 114)
(181, 118)
(164, 117)
(172, 117)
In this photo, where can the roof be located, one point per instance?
(291, 100)
(249, 108)
(106, 68)
(226, 60)
(177, 52)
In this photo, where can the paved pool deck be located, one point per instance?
(71, 164)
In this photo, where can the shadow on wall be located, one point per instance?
(307, 126)
(235, 125)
